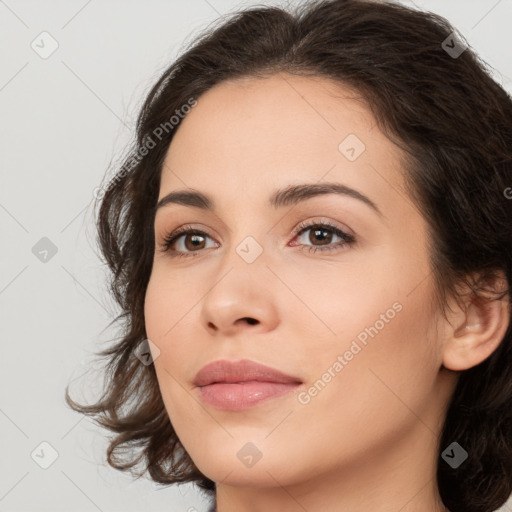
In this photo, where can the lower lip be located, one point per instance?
(243, 395)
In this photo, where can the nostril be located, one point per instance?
(251, 321)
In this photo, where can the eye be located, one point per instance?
(190, 241)
(320, 233)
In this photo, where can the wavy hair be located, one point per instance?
(453, 122)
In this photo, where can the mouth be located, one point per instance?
(242, 384)
(239, 396)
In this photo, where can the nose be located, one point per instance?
(241, 300)
(247, 320)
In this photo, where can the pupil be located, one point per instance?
(317, 233)
(195, 240)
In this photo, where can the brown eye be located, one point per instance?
(193, 241)
(324, 233)
(184, 241)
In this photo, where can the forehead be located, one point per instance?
(259, 134)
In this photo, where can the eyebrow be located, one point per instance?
(290, 195)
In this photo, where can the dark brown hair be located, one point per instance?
(454, 125)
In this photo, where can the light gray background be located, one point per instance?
(62, 120)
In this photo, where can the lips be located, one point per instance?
(224, 371)
(241, 385)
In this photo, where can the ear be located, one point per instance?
(475, 330)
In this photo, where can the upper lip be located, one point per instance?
(240, 371)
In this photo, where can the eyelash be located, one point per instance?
(348, 240)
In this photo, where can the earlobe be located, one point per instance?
(477, 335)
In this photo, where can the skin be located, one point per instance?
(368, 439)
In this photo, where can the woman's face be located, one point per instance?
(351, 320)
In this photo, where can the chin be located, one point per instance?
(242, 466)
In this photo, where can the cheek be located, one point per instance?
(348, 305)
(155, 303)
(384, 362)
(161, 313)
(164, 314)
(167, 306)
(379, 350)
(377, 396)
(172, 324)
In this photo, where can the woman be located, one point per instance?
(311, 242)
